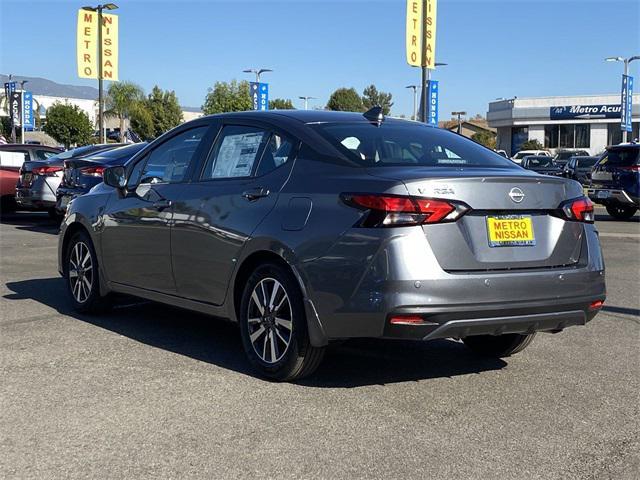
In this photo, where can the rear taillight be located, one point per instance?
(396, 210)
(631, 168)
(47, 171)
(579, 210)
(92, 171)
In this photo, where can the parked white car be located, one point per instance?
(517, 158)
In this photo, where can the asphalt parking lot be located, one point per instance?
(151, 391)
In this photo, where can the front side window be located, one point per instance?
(170, 161)
(236, 152)
(407, 144)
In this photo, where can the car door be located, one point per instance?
(136, 232)
(236, 188)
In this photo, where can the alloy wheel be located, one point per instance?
(80, 272)
(269, 319)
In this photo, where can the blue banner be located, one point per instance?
(626, 102)
(432, 112)
(28, 119)
(259, 95)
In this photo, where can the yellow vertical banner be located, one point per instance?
(87, 44)
(109, 47)
(414, 32)
(431, 8)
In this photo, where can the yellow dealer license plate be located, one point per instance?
(510, 231)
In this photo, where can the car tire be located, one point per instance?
(621, 212)
(82, 277)
(273, 326)
(498, 345)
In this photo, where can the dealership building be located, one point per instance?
(587, 122)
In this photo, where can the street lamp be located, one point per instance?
(415, 101)
(459, 114)
(306, 100)
(426, 77)
(627, 61)
(258, 72)
(99, 9)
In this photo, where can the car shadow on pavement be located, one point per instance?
(39, 222)
(357, 362)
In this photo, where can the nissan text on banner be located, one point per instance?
(421, 33)
(87, 45)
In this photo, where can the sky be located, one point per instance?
(493, 48)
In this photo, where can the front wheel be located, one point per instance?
(498, 345)
(621, 212)
(81, 272)
(273, 326)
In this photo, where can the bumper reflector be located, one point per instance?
(597, 305)
(406, 320)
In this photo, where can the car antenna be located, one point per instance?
(375, 114)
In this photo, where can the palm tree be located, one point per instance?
(122, 99)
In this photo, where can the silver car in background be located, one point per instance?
(39, 180)
(308, 226)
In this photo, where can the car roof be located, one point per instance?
(307, 116)
(28, 146)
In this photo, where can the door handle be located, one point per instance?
(255, 193)
(161, 204)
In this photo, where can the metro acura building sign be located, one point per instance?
(584, 111)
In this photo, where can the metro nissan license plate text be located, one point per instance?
(510, 231)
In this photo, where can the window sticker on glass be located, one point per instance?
(237, 154)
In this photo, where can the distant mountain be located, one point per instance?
(42, 86)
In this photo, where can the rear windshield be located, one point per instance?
(408, 144)
(626, 157)
(118, 154)
(539, 161)
(587, 162)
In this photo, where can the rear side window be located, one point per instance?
(170, 161)
(623, 157)
(277, 152)
(408, 144)
(236, 152)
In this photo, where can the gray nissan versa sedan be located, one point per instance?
(306, 227)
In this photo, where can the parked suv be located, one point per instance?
(615, 180)
(579, 169)
(311, 226)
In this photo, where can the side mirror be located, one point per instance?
(115, 177)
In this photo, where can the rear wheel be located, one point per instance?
(621, 212)
(273, 326)
(498, 345)
(83, 280)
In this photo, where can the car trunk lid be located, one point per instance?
(496, 195)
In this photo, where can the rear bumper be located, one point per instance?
(41, 194)
(358, 299)
(613, 195)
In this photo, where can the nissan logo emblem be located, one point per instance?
(516, 194)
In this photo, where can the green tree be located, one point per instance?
(227, 97)
(488, 139)
(122, 99)
(281, 104)
(142, 122)
(68, 125)
(371, 97)
(532, 145)
(165, 111)
(345, 100)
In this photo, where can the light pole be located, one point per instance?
(627, 61)
(415, 101)
(258, 72)
(22, 82)
(459, 114)
(424, 99)
(99, 9)
(306, 101)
